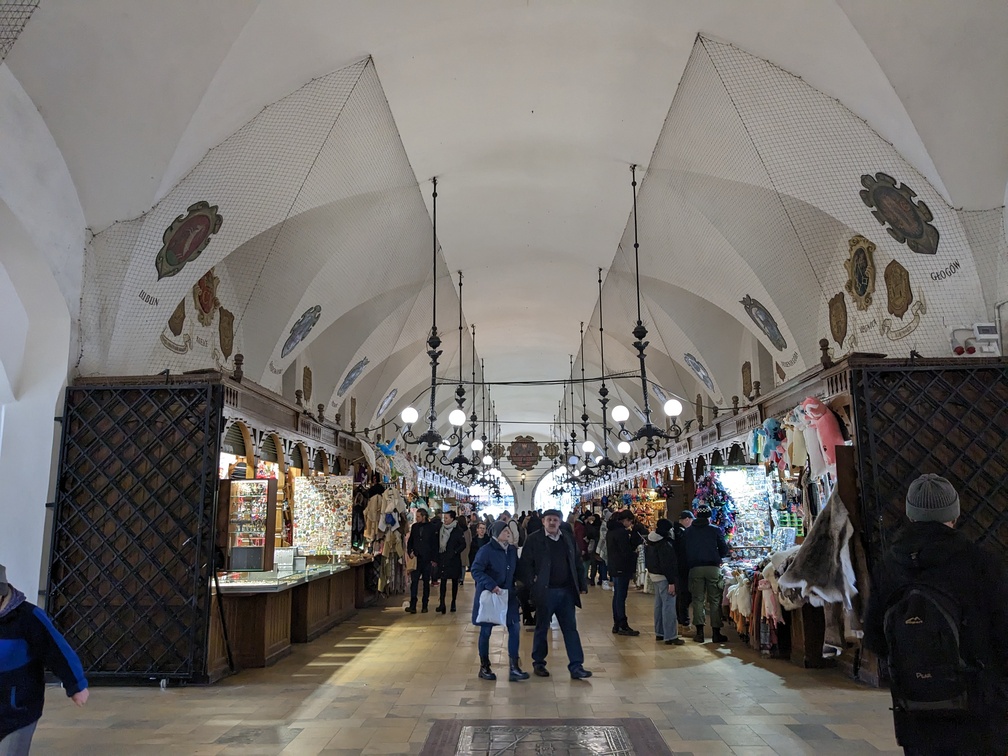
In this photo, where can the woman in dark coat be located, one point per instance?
(480, 539)
(493, 569)
(451, 544)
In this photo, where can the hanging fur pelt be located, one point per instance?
(822, 570)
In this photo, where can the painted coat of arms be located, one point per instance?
(301, 329)
(552, 450)
(909, 221)
(524, 453)
(386, 403)
(186, 237)
(764, 321)
(205, 297)
(306, 384)
(700, 370)
(897, 281)
(838, 317)
(352, 376)
(747, 379)
(860, 271)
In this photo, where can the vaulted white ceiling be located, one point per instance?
(751, 122)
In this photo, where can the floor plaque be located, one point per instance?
(580, 737)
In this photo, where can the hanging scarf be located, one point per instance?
(446, 531)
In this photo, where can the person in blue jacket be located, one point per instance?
(494, 570)
(28, 645)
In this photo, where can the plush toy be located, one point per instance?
(772, 436)
(388, 449)
(794, 446)
(827, 430)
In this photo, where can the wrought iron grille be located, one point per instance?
(938, 418)
(130, 564)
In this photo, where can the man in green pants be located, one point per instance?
(705, 547)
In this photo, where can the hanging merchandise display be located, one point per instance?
(749, 488)
(323, 507)
(711, 493)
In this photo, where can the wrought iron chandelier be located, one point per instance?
(649, 433)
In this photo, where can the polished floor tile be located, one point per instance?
(378, 683)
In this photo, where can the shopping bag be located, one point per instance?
(493, 608)
(410, 562)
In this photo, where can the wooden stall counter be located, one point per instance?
(321, 603)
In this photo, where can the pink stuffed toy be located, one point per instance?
(827, 429)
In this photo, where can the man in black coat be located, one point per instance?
(927, 551)
(422, 544)
(622, 540)
(705, 547)
(683, 596)
(548, 566)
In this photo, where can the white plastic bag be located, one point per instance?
(493, 608)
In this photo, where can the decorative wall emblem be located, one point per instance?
(386, 403)
(301, 329)
(659, 393)
(860, 267)
(177, 319)
(306, 384)
(897, 281)
(700, 370)
(186, 238)
(747, 379)
(838, 318)
(352, 376)
(764, 321)
(909, 222)
(225, 329)
(524, 453)
(917, 309)
(780, 371)
(205, 297)
(552, 450)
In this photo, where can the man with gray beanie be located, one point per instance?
(938, 616)
(29, 644)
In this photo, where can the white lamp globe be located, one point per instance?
(588, 447)
(673, 408)
(623, 447)
(443, 446)
(577, 473)
(410, 416)
(457, 418)
(620, 413)
(477, 445)
(487, 460)
(573, 460)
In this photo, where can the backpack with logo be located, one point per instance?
(923, 627)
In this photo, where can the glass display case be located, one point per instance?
(273, 581)
(750, 488)
(246, 523)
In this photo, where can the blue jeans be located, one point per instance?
(558, 601)
(665, 620)
(621, 587)
(18, 742)
(514, 635)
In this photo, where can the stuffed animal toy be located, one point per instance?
(388, 449)
(827, 430)
(795, 447)
(773, 436)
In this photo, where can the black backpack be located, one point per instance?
(923, 630)
(652, 560)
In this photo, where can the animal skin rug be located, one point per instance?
(822, 570)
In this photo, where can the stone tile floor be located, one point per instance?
(376, 684)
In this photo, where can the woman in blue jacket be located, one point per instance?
(494, 570)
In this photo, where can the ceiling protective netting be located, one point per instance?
(323, 240)
(751, 197)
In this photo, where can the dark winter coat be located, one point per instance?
(477, 544)
(622, 547)
(678, 531)
(29, 644)
(423, 541)
(492, 568)
(450, 560)
(660, 557)
(979, 581)
(535, 563)
(703, 544)
(532, 524)
(592, 530)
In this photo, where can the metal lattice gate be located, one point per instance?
(129, 570)
(934, 418)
